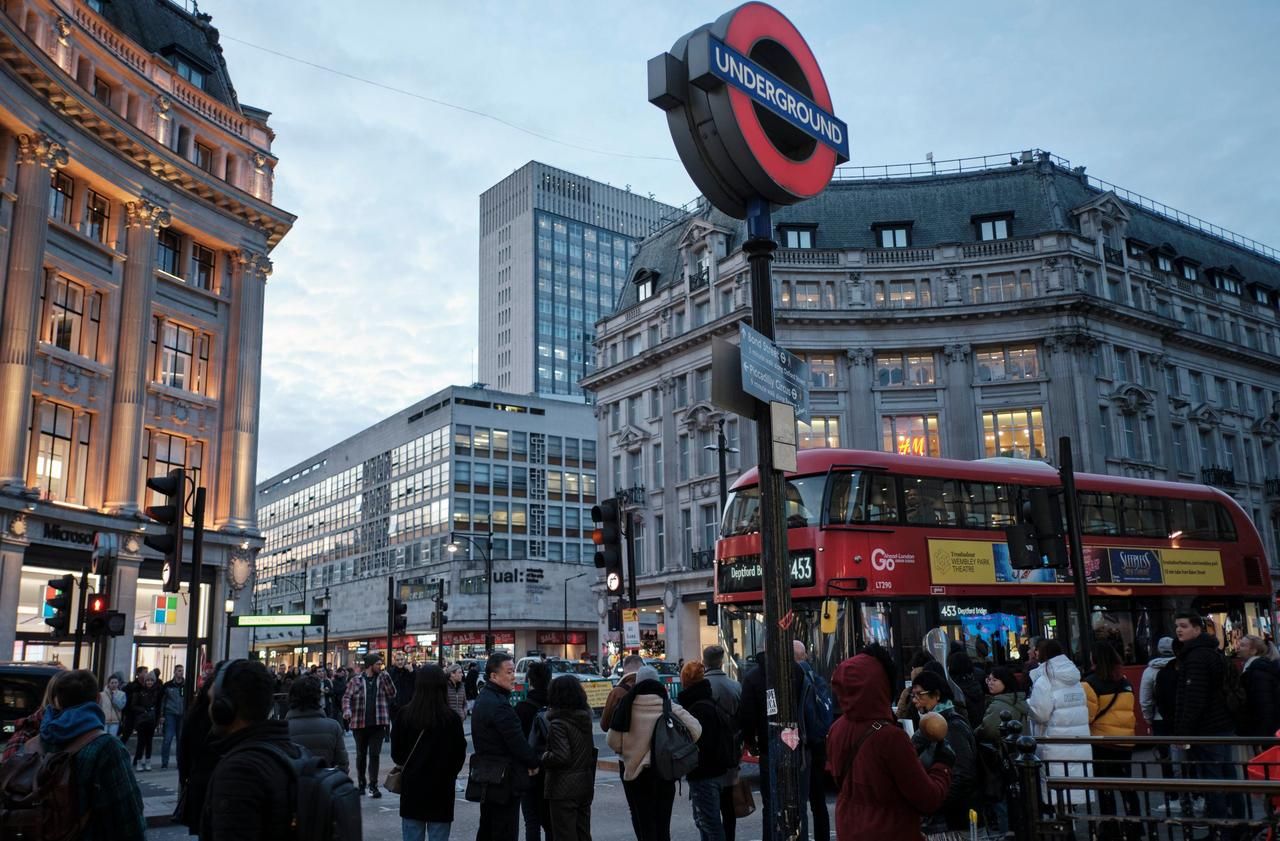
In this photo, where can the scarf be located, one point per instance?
(621, 720)
(60, 727)
(943, 707)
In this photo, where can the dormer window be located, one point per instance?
(796, 237)
(1190, 272)
(893, 234)
(1261, 296)
(1164, 264)
(644, 282)
(1227, 283)
(989, 228)
(187, 68)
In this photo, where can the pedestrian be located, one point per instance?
(649, 797)
(905, 710)
(630, 665)
(311, 728)
(401, 674)
(146, 705)
(339, 690)
(110, 800)
(130, 689)
(569, 761)
(815, 714)
(1003, 695)
(962, 673)
(1110, 700)
(1153, 712)
(366, 706)
(498, 744)
(472, 683)
(1201, 710)
(958, 696)
(882, 788)
(537, 821)
(727, 693)
(1058, 708)
(1261, 679)
(172, 709)
(428, 744)
(753, 719)
(717, 757)
(251, 794)
(112, 700)
(196, 757)
(931, 694)
(456, 691)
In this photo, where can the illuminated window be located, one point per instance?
(820, 431)
(1015, 433)
(911, 435)
(62, 191)
(62, 454)
(74, 317)
(164, 452)
(97, 213)
(822, 370)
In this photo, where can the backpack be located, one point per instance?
(725, 753)
(1234, 697)
(1167, 691)
(39, 799)
(816, 709)
(673, 753)
(326, 802)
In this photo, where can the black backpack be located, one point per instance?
(673, 753)
(326, 802)
(725, 752)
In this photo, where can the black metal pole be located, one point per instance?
(566, 618)
(197, 572)
(82, 599)
(723, 447)
(226, 647)
(391, 613)
(631, 557)
(784, 764)
(324, 654)
(488, 581)
(1071, 505)
(302, 654)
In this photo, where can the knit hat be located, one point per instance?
(370, 659)
(1165, 646)
(646, 673)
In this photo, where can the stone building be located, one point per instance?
(136, 218)
(974, 310)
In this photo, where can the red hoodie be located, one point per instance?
(886, 790)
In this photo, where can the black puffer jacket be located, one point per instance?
(1262, 689)
(570, 758)
(248, 797)
(495, 732)
(964, 772)
(1200, 707)
(716, 745)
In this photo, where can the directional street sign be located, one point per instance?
(278, 620)
(773, 373)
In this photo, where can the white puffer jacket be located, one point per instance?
(1058, 708)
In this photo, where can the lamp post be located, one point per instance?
(486, 550)
(324, 651)
(566, 613)
(722, 447)
(228, 607)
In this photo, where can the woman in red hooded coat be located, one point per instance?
(883, 790)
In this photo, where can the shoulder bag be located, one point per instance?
(487, 780)
(395, 777)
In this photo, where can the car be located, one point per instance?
(596, 685)
(22, 688)
(668, 673)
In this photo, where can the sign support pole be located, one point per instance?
(1071, 505)
(83, 598)
(197, 572)
(391, 622)
(783, 762)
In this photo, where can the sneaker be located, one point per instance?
(362, 789)
(374, 792)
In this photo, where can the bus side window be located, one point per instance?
(841, 505)
(879, 492)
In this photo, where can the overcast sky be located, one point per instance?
(372, 303)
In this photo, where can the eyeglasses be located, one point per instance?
(918, 694)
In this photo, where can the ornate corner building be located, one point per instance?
(136, 218)
(963, 309)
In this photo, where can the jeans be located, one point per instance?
(650, 799)
(499, 821)
(172, 732)
(1213, 762)
(411, 830)
(705, 796)
(145, 731)
(368, 749)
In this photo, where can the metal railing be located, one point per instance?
(702, 559)
(1222, 477)
(1271, 486)
(634, 495)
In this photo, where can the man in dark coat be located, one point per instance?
(496, 735)
(402, 678)
(248, 797)
(753, 720)
(1201, 709)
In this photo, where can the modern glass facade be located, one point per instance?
(580, 270)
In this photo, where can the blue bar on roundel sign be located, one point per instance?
(732, 67)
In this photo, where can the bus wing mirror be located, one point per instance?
(829, 613)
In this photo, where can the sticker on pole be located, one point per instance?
(770, 702)
(791, 737)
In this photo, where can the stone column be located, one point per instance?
(11, 555)
(1164, 417)
(863, 423)
(37, 156)
(961, 418)
(124, 598)
(144, 220)
(1072, 402)
(241, 385)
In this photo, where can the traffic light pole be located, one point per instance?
(391, 613)
(781, 761)
(81, 599)
(631, 558)
(1071, 505)
(197, 573)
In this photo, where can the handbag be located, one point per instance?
(487, 780)
(743, 803)
(395, 777)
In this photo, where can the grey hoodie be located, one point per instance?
(1147, 689)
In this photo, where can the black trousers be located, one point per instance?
(499, 821)
(650, 800)
(570, 820)
(537, 821)
(1113, 762)
(818, 793)
(368, 750)
(728, 816)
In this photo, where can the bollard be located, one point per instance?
(1028, 813)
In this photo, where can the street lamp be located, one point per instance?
(486, 550)
(324, 651)
(722, 447)
(229, 607)
(566, 613)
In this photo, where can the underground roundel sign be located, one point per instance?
(749, 110)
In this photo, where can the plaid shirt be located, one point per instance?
(354, 699)
(109, 792)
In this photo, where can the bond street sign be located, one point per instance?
(749, 110)
(773, 373)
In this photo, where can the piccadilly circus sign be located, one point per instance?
(749, 110)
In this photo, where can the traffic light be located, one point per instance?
(608, 539)
(439, 616)
(100, 621)
(615, 617)
(399, 620)
(57, 604)
(173, 489)
(1037, 542)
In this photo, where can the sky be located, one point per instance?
(372, 303)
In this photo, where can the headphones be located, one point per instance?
(222, 709)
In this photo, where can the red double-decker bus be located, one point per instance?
(891, 546)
